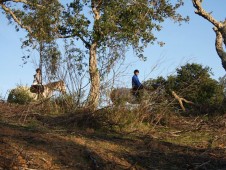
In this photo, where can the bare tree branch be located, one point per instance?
(87, 44)
(200, 11)
(8, 11)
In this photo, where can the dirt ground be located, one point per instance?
(52, 143)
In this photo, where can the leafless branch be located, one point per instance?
(87, 44)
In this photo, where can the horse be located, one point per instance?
(126, 95)
(48, 90)
(53, 86)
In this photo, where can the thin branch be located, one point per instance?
(8, 11)
(99, 4)
(87, 44)
(200, 11)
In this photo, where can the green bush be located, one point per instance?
(20, 95)
(194, 82)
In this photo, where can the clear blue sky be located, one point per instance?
(193, 42)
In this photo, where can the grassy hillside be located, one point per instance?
(30, 139)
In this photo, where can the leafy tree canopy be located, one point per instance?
(119, 22)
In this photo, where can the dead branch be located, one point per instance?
(181, 100)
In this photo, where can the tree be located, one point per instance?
(11, 12)
(219, 28)
(114, 26)
(40, 18)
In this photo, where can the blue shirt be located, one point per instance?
(136, 81)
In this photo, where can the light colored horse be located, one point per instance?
(54, 86)
(48, 90)
(121, 96)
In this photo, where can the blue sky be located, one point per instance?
(193, 42)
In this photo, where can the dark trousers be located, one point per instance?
(136, 89)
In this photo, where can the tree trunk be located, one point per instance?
(41, 57)
(94, 95)
(219, 47)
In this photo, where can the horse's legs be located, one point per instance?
(47, 93)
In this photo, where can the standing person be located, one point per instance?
(136, 85)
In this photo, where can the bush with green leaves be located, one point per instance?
(194, 82)
(20, 95)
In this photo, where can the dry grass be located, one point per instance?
(99, 140)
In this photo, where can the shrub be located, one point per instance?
(194, 82)
(20, 95)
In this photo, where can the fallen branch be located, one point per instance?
(181, 100)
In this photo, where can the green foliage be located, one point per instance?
(44, 22)
(120, 24)
(194, 82)
(20, 95)
(199, 87)
(40, 18)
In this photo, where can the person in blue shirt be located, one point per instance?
(136, 84)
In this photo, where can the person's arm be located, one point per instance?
(138, 82)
